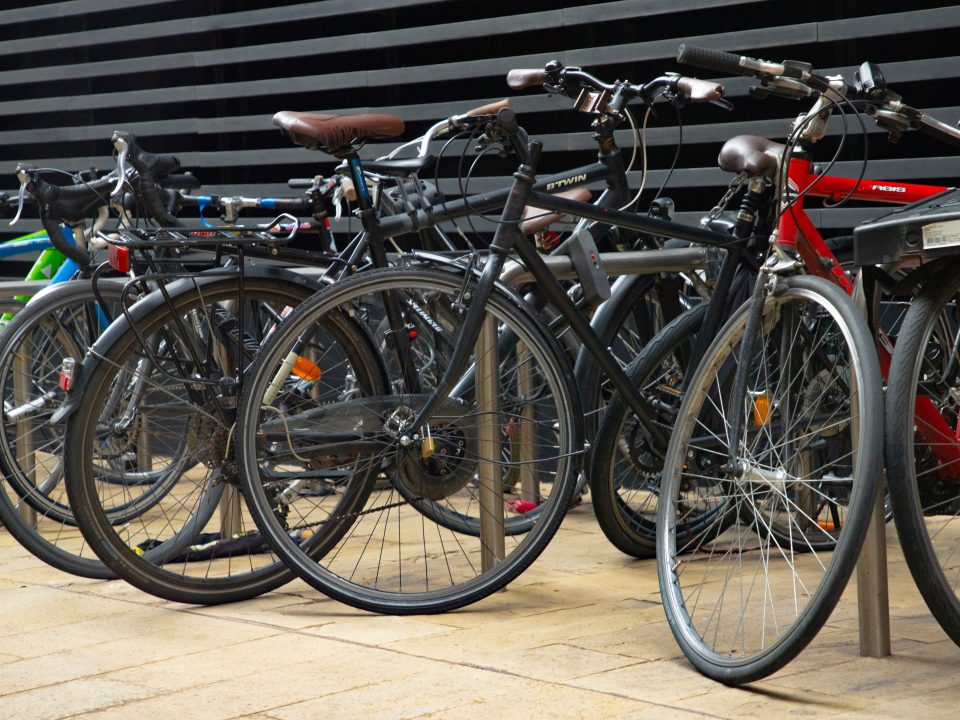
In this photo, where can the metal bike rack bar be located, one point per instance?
(10, 288)
(873, 599)
(872, 591)
(525, 435)
(492, 541)
(26, 457)
(231, 522)
(630, 262)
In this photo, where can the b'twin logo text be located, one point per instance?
(566, 181)
(888, 188)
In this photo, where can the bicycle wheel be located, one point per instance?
(412, 520)
(161, 386)
(61, 322)
(625, 473)
(922, 453)
(740, 602)
(638, 310)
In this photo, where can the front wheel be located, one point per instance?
(790, 508)
(923, 454)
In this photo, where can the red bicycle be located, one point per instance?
(766, 488)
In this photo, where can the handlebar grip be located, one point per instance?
(182, 181)
(300, 183)
(151, 198)
(700, 90)
(490, 108)
(287, 204)
(60, 242)
(349, 189)
(711, 60)
(520, 79)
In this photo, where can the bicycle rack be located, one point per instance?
(872, 589)
(873, 594)
(492, 537)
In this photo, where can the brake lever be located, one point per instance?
(24, 179)
(122, 150)
(723, 104)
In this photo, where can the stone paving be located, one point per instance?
(580, 635)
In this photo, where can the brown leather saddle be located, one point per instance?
(336, 134)
(753, 155)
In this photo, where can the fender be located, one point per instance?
(61, 287)
(459, 263)
(150, 303)
(623, 285)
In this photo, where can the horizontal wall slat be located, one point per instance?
(61, 113)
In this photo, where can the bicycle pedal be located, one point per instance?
(521, 507)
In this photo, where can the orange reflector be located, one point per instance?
(761, 409)
(306, 370)
(827, 525)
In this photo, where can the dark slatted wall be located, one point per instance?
(202, 79)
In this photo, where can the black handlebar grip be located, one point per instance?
(59, 240)
(183, 181)
(711, 60)
(150, 167)
(297, 183)
(153, 201)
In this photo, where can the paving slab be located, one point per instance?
(581, 634)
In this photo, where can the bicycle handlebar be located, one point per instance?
(555, 76)
(52, 200)
(150, 167)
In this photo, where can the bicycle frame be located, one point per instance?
(797, 230)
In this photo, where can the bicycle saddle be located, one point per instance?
(750, 154)
(336, 134)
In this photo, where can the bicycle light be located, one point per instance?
(68, 369)
(118, 257)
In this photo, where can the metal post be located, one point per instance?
(231, 522)
(873, 602)
(26, 457)
(872, 592)
(488, 446)
(523, 442)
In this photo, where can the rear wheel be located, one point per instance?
(625, 477)
(61, 323)
(414, 519)
(163, 386)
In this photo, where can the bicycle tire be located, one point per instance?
(827, 335)
(54, 325)
(624, 476)
(135, 550)
(923, 510)
(411, 484)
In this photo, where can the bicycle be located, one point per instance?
(769, 480)
(439, 466)
(86, 408)
(626, 476)
(59, 325)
